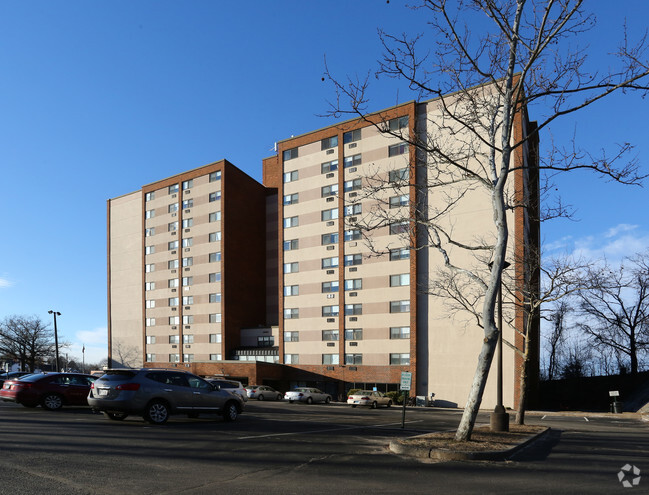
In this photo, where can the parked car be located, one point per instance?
(308, 395)
(370, 398)
(155, 394)
(231, 386)
(12, 375)
(263, 392)
(51, 390)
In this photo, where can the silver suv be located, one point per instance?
(155, 394)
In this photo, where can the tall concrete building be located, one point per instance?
(321, 277)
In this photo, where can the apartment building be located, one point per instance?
(315, 278)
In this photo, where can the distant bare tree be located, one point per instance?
(556, 337)
(27, 339)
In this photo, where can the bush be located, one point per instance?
(397, 397)
(353, 391)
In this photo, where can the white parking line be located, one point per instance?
(352, 427)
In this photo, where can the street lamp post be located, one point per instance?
(499, 420)
(56, 338)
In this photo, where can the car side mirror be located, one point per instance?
(216, 386)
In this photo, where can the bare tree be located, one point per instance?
(27, 339)
(487, 62)
(556, 337)
(615, 310)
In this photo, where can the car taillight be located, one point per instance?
(128, 386)
(253, 391)
(365, 398)
(92, 385)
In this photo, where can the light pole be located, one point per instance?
(499, 420)
(56, 338)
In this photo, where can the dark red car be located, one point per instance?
(50, 390)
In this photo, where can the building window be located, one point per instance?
(172, 208)
(188, 222)
(400, 306)
(397, 201)
(399, 254)
(215, 297)
(400, 359)
(353, 259)
(291, 267)
(400, 280)
(351, 136)
(353, 359)
(291, 290)
(215, 236)
(174, 358)
(214, 176)
(291, 313)
(215, 277)
(149, 286)
(215, 318)
(149, 214)
(215, 196)
(215, 217)
(290, 199)
(398, 123)
(149, 232)
(173, 189)
(149, 196)
(172, 264)
(149, 250)
(330, 359)
(330, 286)
(291, 222)
(399, 332)
(171, 226)
(327, 191)
(172, 245)
(353, 334)
(329, 239)
(327, 167)
(188, 184)
(150, 358)
(399, 175)
(398, 228)
(173, 301)
(329, 335)
(291, 176)
(353, 309)
(353, 235)
(188, 339)
(215, 357)
(397, 149)
(188, 242)
(150, 267)
(174, 320)
(329, 262)
(291, 359)
(330, 310)
(188, 261)
(149, 303)
(291, 245)
(355, 209)
(188, 300)
(352, 161)
(291, 336)
(352, 185)
(187, 281)
(188, 203)
(330, 142)
(214, 257)
(265, 341)
(172, 283)
(331, 214)
(188, 358)
(174, 339)
(354, 284)
(188, 319)
(289, 154)
(215, 338)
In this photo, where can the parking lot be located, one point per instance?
(295, 448)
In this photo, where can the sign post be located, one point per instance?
(406, 381)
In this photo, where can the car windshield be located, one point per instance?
(364, 392)
(31, 378)
(301, 390)
(118, 375)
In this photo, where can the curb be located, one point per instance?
(400, 446)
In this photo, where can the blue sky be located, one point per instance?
(99, 98)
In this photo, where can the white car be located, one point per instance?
(370, 398)
(231, 386)
(308, 395)
(263, 392)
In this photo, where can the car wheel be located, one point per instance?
(230, 411)
(52, 402)
(309, 400)
(279, 396)
(261, 397)
(374, 405)
(327, 400)
(157, 412)
(291, 401)
(389, 403)
(116, 416)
